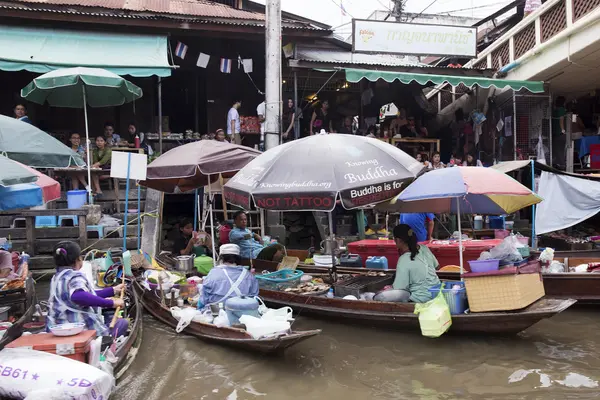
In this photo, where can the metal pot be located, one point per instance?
(329, 246)
(185, 264)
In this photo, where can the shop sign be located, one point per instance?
(413, 39)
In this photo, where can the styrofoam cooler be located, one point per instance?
(76, 199)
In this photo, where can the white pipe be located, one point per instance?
(87, 143)
(460, 246)
(272, 129)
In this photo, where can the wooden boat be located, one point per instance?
(230, 336)
(401, 315)
(127, 352)
(12, 297)
(583, 287)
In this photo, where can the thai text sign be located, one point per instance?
(414, 39)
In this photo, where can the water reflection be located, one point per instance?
(554, 359)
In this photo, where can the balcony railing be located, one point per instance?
(554, 17)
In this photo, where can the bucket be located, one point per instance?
(236, 307)
(478, 223)
(76, 199)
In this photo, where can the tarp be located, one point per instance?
(43, 50)
(568, 200)
(356, 75)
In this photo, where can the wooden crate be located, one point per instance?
(503, 292)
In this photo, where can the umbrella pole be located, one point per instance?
(332, 238)
(196, 209)
(139, 212)
(210, 212)
(533, 244)
(87, 143)
(126, 218)
(460, 246)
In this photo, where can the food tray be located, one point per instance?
(361, 284)
(279, 280)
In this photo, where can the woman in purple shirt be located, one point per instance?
(72, 297)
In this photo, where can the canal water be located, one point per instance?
(555, 359)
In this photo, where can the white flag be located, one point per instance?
(203, 60)
(247, 63)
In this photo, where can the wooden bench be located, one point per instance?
(31, 234)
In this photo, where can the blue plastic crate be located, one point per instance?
(456, 299)
(496, 222)
(47, 221)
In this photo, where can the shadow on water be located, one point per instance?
(557, 358)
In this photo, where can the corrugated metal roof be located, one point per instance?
(347, 57)
(193, 8)
(36, 6)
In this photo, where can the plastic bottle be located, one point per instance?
(137, 141)
(330, 294)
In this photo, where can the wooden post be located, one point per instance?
(82, 219)
(30, 235)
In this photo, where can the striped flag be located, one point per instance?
(225, 65)
(181, 50)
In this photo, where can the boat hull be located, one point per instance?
(401, 316)
(233, 337)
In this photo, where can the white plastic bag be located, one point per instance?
(184, 316)
(204, 316)
(281, 314)
(36, 375)
(507, 250)
(556, 267)
(547, 255)
(222, 320)
(260, 328)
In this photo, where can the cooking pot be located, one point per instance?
(329, 246)
(185, 264)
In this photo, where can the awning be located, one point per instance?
(43, 50)
(356, 75)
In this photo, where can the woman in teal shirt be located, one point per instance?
(415, 272)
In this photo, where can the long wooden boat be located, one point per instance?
(127, 352)
(230, 336)
(401, 315)
(583, 287)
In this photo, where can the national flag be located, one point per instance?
(247, 64)
(225, 65)
(203, 60)
(181, 50)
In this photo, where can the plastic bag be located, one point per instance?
(281, 314)
(259, 328)
(507, 250)
(221, 320)
(547, 255)
(184, 316)
(555, 267)
(434, 316)
(35, 374)
(205, 316)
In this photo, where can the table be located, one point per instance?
(128, 149)
(434, 144)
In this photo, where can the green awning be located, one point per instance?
(355, 75)
(43, 50)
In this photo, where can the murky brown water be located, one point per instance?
(555, 359)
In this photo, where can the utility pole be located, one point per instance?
(398, 9)
(273, 74)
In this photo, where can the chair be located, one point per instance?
(45, 221)
(19, 223)
(97, 229)
(68, 220)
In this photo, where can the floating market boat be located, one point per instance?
(230, 336)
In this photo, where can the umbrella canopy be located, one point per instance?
(472, 190)
(188, 167)
(25, 195)
(64, 88)
(31, 146)
(310, 174)
(13, 173)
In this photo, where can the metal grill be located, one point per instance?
(554, 21)
(533, 120)
(482, 64)
(446, 98)
(460, 90)
(433, 101)
(525, 40)
(583, 7)
(500, 57)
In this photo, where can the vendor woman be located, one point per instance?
(197, 243)
(415, 271)
(250, 243)
(73, 299)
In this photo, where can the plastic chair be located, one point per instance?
(97, 229)
(68, 220)
(46, 221)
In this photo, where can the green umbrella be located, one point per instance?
(78, 88)
(34, 147)
(13, 173)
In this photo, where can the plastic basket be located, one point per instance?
(456, 298)
(524, 251)
(279, 280)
